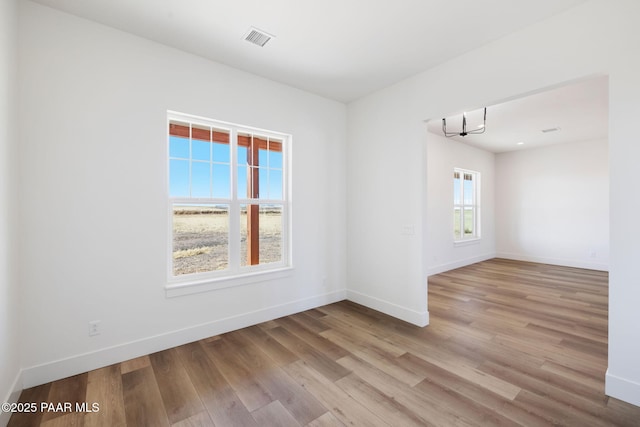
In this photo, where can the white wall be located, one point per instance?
(553, 205)
(9, 298)
(443, 155)
(94, 215)
(388, 126)
(386, 186)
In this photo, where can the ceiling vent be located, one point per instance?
(550, 130)
(257, 37)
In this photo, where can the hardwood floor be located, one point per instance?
(509, 343)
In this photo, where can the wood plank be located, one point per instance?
(73, 419)
(343, 406)
(35, 395)
(301, 404)
(270, 346)
(274, 414)
(222, 404)
(104, 387)
(313, 323)
(200, 419)
(317, 342)
(65, 394)
(252, 394)
(475, 393)
(179, 396)
(317, 359)
(420, 404)
(134, 364)
(388, 409)
(326, 420)
(375, 356)
(142, 400)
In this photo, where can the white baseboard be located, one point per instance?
(12, 397)
(437, 269)
(623, 389)
(41, 374)
(577, 263)
(403, 313)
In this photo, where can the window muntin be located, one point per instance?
(466, 207)
(228, 199)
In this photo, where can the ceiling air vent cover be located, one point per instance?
(550, 130)
(257, 37)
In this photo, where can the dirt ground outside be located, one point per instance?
(201, 238)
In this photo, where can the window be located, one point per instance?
(466, 205)
(228, 199)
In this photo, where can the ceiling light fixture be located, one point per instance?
(481, 128)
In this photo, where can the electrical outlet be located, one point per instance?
(94, 328)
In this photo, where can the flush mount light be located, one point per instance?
(465, 132)
(257, 37)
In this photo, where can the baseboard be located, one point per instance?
(589, 265)
(403, 313)
(74, 365)
(623, 389)
(437, 269)
(12, 397)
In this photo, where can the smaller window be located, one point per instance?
(466, 205)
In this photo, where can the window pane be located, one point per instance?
(468, 190)
(268, 233)
(200, 238)
(243, 236)
(263, 185)
(242, 155)
(200, 179)
(457, 198)
(221, 184)
(242, 182)
(221, 153)
(262, 158)
(275, 184)
(200, 150)
(179, 178)
(456, 223)
(252, 175)
(468, 222)
(275, 159)
(178, 147)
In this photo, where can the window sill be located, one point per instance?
(197, 286)
(467, 242)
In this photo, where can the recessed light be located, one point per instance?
(520, 143)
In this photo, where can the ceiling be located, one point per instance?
(579, 112)
(339, 49)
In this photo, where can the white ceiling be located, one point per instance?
(579, 110)
(340, 49)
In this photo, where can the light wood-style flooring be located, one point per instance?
(509, 343)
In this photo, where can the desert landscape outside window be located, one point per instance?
(228, 198)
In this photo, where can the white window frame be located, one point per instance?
(235, 274)
(474, 206)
